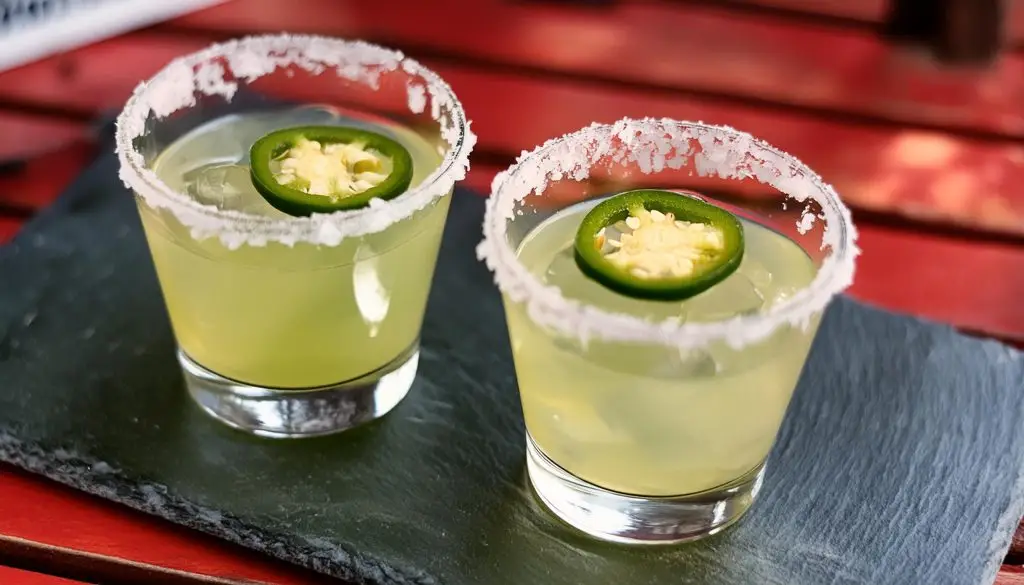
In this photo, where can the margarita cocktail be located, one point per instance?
(658, 334)
(294, 244)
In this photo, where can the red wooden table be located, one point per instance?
(930, 158)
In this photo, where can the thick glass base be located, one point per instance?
(276, 413)
(630, 519)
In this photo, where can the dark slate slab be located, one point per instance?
(900, 461)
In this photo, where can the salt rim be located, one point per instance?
(218, 69)
(648, 143)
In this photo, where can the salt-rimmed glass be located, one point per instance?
(290, 326)
(650, 422)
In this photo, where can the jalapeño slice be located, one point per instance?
(321, 169)
(671, 246)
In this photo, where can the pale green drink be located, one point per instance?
(294, 244)
(646, 419)
(283, 316)
(658, 334)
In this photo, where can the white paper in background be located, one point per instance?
(32, 29)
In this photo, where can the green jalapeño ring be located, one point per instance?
(658, 332)
(293, 191)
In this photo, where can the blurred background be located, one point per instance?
(913, 109)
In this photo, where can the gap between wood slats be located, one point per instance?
(90, 568)
(865, 14)
(708, 52)
(924, 175)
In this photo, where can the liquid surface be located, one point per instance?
(211, 163)
(646, 419)
(280, 316)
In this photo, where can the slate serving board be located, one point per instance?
(900, 460)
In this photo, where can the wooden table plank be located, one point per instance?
(43, 133)
(934, 277)
(42, 512)
(12, 576)
(1010, 575)
(920, 174)
(674, 45)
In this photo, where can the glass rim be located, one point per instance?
(572, 155)
(246, 59)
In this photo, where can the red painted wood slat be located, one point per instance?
(18, 130)
(891, 272)
(676, 45)
(40, 511)
(920, 174)
(1010, 575)
(12, 576)
(8, 227)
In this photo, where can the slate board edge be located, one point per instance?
(97, 478)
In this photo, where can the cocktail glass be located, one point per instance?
(651, 421)
(290, 326)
